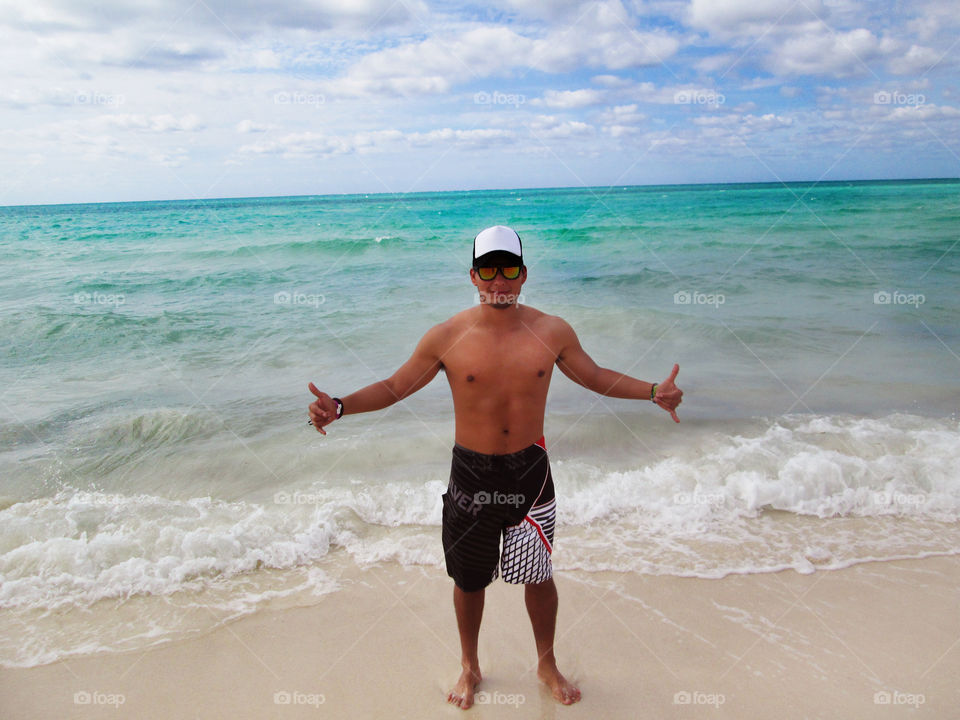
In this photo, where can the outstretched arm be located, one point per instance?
(416, 372)
(577, 365)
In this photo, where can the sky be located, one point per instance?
(160, 99)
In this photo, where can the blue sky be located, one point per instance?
(157, 99)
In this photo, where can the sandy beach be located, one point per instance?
(875, 640)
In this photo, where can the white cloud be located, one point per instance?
(675, 94)
(568, 99)
(816, 50)
(31, 97)
(435, 65)
(730, 18)
(432, 66)
(923, 113)
(713, 63)
(226, 17)
(551, 127)
(250, 126)
(917, 60)
(553, 10)
(318, 144)
(621, 114)
(933, 19)
(769, 121)
(611, 81)
(154, 123)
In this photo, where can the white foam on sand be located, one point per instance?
(801, 492)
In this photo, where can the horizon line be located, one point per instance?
(490, 189)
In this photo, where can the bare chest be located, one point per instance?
(520, 360)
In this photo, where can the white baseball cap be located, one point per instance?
(497, 239)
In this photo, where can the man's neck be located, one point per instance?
(500, 317)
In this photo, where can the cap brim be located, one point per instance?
(498, 258)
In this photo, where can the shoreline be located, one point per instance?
(877, 639)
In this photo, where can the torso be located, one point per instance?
(499, 377)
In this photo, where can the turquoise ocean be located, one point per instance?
(158, 476)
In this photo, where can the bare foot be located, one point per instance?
(563, 690)
(462, 693)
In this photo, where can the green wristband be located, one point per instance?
(653, 391)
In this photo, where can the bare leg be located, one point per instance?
(469, 609)
(542, 607)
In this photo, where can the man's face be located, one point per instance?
(499, 291)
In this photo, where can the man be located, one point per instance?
(498, 357)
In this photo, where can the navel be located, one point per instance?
(541, 373)
(469, 378)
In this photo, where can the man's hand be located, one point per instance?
(669, 395)
(323, 410)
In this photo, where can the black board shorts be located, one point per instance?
(490, 497)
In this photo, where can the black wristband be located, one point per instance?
(339, 403)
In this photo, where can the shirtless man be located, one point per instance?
(498, 358)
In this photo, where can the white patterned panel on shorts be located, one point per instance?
(527, 547)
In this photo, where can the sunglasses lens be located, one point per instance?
(486, 273)
(511, 273)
